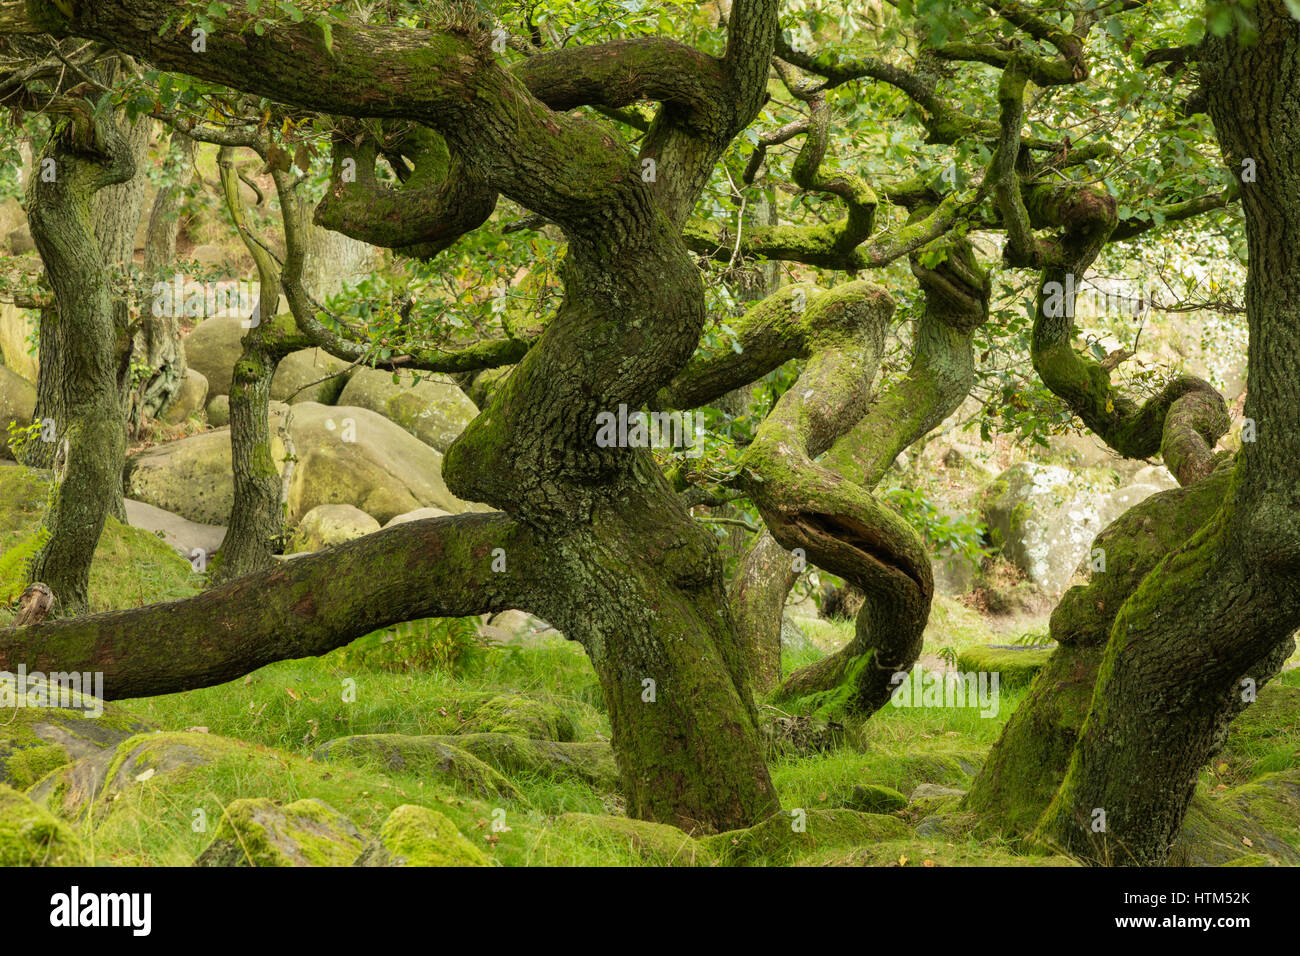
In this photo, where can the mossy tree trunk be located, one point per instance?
(85, 348)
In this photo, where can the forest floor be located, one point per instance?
(510, 743)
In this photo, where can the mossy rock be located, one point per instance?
(418, 836)
(657, 843)
(35, 741)
(782, 838)
(515, 714)
(154, 759)
(305, 833)
(1261, 817)
(873, 798)
(591, 762)
(422, 755)
(1017, 666)
(31, 836)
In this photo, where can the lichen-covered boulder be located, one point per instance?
(309, 375)
(156, 759)
(212, 348)
(17, 403)
(1044, 517)
(1015, 666)
(344, 456)
(418, 836)
(31, 836)
(422, 755)
(328, 525)
(308, 832)
(190, 399)
(182, 534)
(430, 407)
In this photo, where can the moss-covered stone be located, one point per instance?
(872, 798)
(1261, 817)
(1017, 666)
(418, 836)
(515, 714)
(430, 756)
(305, 833)
(591, 762)
(31, 836)
(657, 843)
(782, 838)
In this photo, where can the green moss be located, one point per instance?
(309, 832)
(873, 798)
(31, 836)
(1015, 666)
(1260, 817)
(418, 836)
(31, 764)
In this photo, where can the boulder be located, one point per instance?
(190, 398)
(213, 348)
(418, 836)
(1044, 518)
(18, 335)
(20, 241)
(432, 409)
(309, 375)
(17, 403)
(256, 832)
(183, 535)
(344, 456)
(419, 514)
(327, 525)
(219, 410)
